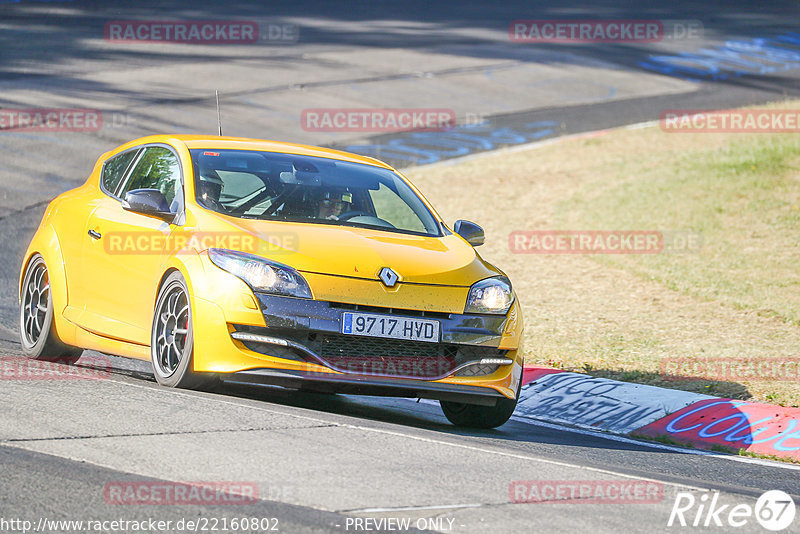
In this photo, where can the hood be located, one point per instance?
(359, 252)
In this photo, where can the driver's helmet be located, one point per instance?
(209, 188)
(333, 201)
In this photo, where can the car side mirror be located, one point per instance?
(151, 202)
(470, 231)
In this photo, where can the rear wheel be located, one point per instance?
(172, 339)
(475, 416)
(37, 333)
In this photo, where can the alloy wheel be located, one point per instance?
(172, 329)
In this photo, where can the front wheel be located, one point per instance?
(37, 333)
(475, 416)
(172, 340)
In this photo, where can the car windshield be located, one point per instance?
(273, 186)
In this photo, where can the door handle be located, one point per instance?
(95, 235)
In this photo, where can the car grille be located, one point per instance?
(392, 357)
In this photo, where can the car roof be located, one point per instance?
(242, 143)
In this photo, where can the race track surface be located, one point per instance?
(321, 461)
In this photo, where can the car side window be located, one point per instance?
(158, 168)
(114, 170)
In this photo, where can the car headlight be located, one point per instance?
(493, 295)
(261, 274)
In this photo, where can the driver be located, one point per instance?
(209, 189)
(332, 203)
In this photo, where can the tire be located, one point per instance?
(172, 338)
(37, 333)
(475, 416)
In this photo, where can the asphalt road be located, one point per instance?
(320, 462)
(317, 459)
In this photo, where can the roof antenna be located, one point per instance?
(219, 121)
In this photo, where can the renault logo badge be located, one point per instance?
(388, 277)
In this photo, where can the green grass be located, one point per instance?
(736, 296)
(666, 440)
(743, 452)
(742, 200)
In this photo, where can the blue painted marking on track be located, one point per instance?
(421, 148)
(735, 58)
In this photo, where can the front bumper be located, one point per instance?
(298, 345)
(301, 314)
(370, 385)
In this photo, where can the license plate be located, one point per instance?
(374, 325)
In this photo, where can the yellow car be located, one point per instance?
(219, 258)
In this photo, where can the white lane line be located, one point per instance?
(644, 443)
(528, 458)
(422, 439)
(481, 449)
(414, 508)
(662, 446)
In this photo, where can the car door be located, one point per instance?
(123, 253)
(73, 233)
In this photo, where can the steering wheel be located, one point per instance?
(350, 214)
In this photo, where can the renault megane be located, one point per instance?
(273, 263)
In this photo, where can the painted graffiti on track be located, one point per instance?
(735, 58)
(758, 428)
(598, 403)
(421, 148)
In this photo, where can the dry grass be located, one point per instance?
(620, 316)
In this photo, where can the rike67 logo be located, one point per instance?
(774, 511)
